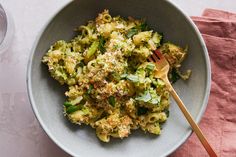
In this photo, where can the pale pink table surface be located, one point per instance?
(20, 133)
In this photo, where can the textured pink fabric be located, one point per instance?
(219, 14)
(218, 29)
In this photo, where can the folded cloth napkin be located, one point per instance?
(218, 29)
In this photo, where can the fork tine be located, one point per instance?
(150, 59)
(155, 57)
(158, 53)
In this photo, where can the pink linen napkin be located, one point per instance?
(218, 29)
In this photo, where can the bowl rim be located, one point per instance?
(184, 138)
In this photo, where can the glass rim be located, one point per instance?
(8, 29)
(4, 24)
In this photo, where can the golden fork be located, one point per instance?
(162, 72)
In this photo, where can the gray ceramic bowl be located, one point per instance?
(47, 96)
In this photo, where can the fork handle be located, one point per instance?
(193, 124)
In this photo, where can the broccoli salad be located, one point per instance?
(111, 85)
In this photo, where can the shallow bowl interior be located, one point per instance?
(47, 96)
